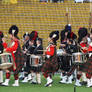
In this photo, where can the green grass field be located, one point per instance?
(56, 87)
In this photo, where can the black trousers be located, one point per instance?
(27, 67)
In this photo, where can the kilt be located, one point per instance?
(50, 65)
(88, 66)
(20, 58)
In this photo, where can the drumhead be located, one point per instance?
(35, 56)
(5, 65)
(78, 53)
(60, 51)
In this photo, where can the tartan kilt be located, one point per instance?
(88, 66)
(50, 65)
(20, 58)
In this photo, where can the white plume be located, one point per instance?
(54, 36)
(26, 33)
(13, 31)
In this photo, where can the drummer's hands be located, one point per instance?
(84, 48)
(4, 49)
(24, 52)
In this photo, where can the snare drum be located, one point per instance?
(5, 60)
(35, 60)
(78, 57)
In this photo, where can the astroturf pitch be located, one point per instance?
(56, 87)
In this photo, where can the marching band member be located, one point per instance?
(29, 50)
(33, 37)
(66, 35)
(88, 65)
(70, 49)
(36, 70)
(1, 51)
(25, 46)
(18, 57)
(82, 40)
(63, 35)
(28, 77)
(51, 64)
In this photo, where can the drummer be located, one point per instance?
(70, 49)
(29, 49)
(18, 57)
(88, 65)
(25, 69)
(66, 36)
(30, 46)
(82, 40)
(38, 51)
(51, 64)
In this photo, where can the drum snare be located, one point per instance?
(60, 52)
(5, 60)
(78, 57)
(35, 60)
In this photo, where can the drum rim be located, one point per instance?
(78, 53)
(60, 51)
(5, 54)
(35, 56)
(5, 65)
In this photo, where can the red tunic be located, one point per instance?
(50, 50)
(5, 45)
(51, 63)
(12, 49)
(18, 57)
(83, 44)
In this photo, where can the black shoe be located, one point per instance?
(83, 83)
(0, 84)
(33, 82)
(21, 78)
